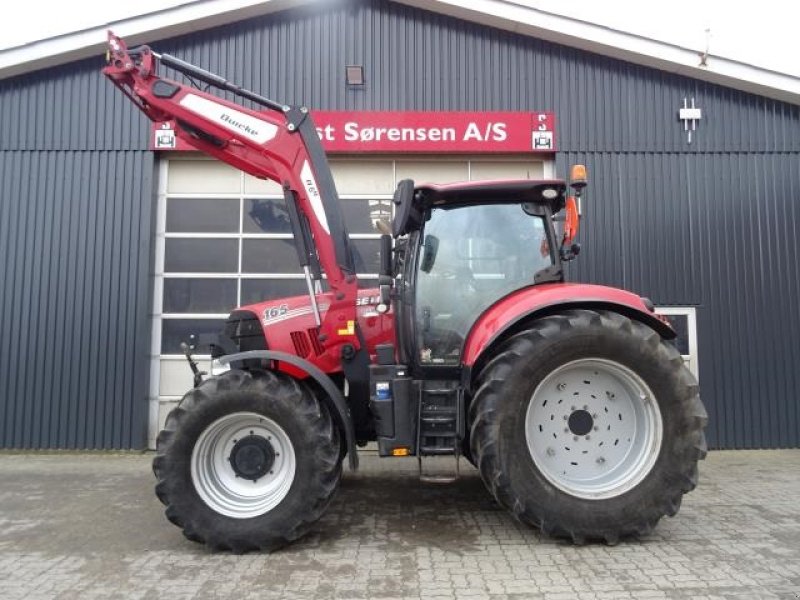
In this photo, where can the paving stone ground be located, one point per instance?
(83, 526)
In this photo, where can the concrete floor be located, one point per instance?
(89, 526)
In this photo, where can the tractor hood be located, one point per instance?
(298, 308)
(288, 325)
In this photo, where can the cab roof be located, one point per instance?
(412, 202)
(539, 191)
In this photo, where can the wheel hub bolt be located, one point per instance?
(596, 428)
(551, 452)
(601, 460)
(561, 387)
(575, 438)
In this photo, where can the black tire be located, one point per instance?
(315, 441)
(505, 387)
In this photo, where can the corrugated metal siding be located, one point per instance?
(639, 219)
(75, 237)
(72, 107)
(748, 257)
(712, 224)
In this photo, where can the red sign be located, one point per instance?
(399, 132)
(417, 132)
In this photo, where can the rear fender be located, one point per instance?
(511, 314)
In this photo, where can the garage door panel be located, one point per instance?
(267, 187)
(175, 331)
(483, 170)
(259, 290)
(175, 377)
(202, 177)
(269, 256)
(363, 177)
(433, 171)
(265, 215)
(185, 295)
(360, 216)
(201, 255)
(203, 215)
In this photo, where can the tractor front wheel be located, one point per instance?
(588, 425)
(247, 461)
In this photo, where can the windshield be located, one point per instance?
(471, 257)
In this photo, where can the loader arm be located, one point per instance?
(278, 142)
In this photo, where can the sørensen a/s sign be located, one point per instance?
(399, 132)
(434, 132)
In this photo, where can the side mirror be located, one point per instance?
(577, 181)
(386, 255)
(406, 217)
(385, 279)
(571, 221)
(569, 249)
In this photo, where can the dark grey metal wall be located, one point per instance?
(76, 206)
(712, 224)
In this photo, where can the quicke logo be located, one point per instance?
(238, 124)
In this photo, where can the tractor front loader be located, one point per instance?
(568, 398)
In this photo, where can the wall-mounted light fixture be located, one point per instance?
(354, 75)
(690, 115)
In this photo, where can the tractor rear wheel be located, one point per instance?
(247, 461)
(588, 426)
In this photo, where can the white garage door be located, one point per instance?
(223, 240)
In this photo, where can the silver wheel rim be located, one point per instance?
(593, 428)
(217, 483)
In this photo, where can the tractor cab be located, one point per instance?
(463, 247)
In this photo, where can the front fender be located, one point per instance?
(342, 412)
(508, 315)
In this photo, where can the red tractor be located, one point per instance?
(569, 399)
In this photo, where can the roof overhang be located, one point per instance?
(510, 15)
(143, 29)
(516, 16)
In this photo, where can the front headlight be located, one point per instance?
(217, 368)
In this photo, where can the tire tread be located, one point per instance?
(279, 388)
(489, 397)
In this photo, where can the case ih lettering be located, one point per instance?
(569, 399)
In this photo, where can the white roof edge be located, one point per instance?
(185, 18)
(525, 20)
(510, 15)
